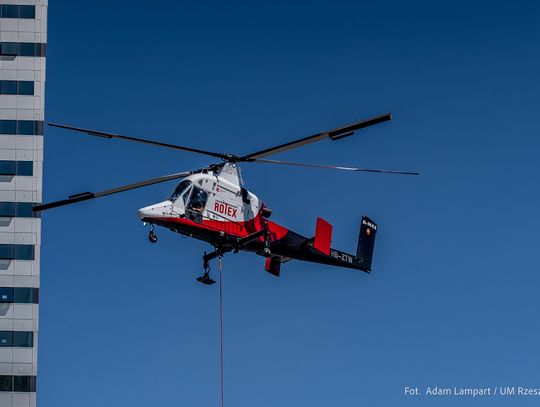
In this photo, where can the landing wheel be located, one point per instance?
(152, 237)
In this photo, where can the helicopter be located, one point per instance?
(211, 204)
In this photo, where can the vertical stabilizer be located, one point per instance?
(366, 242)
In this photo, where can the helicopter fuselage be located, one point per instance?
(211, 208)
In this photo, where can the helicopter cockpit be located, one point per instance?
(191, 198)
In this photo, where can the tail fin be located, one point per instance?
(273, 266)
(366, 242)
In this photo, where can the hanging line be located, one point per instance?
(221, 326)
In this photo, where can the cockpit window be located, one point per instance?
(195, 207)
(185, 195)
(198, 199)
(179, 189)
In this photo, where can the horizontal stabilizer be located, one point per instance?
(323, 236)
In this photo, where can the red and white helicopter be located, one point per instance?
(211, 204)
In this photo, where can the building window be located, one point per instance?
(19, 295)
(23, 339)
(27, 11)
(18, 210)
(6, 339)
(22, 127)
(8, 126)
(24, 383)
(16, 339)
(18, 383)
(16, 168)
(8, 87)
(26, 295)
(16, 251)
(23, 49)
(16, 11)
(9, 48)
(29, 127)
(25, 88)
(6, 383)
(16, 87)
(6, 294)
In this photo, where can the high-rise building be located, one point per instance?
(23, 38)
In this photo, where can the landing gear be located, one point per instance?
(266, 251)
(152, 236)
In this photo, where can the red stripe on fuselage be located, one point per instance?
(237, 229)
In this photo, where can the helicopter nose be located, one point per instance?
(155, 211)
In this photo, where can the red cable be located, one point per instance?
(221, 327)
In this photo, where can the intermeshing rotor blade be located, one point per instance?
(334, 167)
(91, 195)
(140, 140)
(335, 134)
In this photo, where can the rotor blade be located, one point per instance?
(91, 195)
(334, 167)
(335, 134)
(139, 140)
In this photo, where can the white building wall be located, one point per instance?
(16, 273)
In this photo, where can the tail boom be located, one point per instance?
(364, 252)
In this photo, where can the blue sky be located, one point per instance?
(453, 298)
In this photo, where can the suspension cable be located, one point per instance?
(221, 327)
